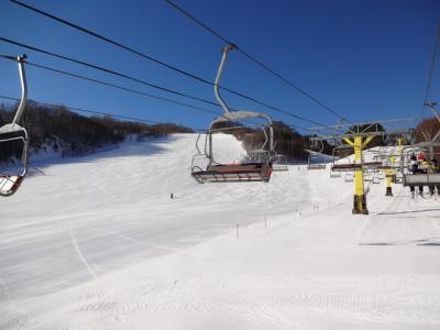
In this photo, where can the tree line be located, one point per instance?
(71, 134)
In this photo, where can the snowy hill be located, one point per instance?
(99, 244)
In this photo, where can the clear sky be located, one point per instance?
(367, 59)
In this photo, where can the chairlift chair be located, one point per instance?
(337, 167)
(349, 177)
(315, 162)
(15, 136)
(376, 179)
(380, 175)
(214, 171)
(279, 163)
(429, 178)
(368, 176)
(263, 153)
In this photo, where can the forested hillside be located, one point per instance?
(71, 134)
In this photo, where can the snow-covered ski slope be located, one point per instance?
(97, 243)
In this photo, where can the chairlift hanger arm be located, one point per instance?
(236, 115)
(228, 113)
(431, 106)
(24, 92)
(221, 66)
(21, 59)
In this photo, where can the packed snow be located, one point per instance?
(97, 243)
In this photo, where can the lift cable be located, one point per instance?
(106, 70)
(101, 82)
(130, 118)
(255, 60)
(135, 119)
(150, 58)
(110, 71)
(101, 113)
(435, 54)
(111, 85)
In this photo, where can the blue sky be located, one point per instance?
(367, 59)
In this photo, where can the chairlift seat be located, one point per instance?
(346, 167)
(234, 172)
(316, 166)
(9, 184)
(388, 167)
(372, 164)
(335, 174)
(348, 177)
(430, 180)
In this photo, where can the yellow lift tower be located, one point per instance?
(359, 142)
(359, 138)
(390, 171)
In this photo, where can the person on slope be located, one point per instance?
(422, 168)
(434, 169)
(413, 168)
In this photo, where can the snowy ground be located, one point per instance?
(98, 244)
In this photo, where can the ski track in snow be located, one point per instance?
(80, 255)
(99, 244)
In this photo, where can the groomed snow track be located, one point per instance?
(97, 243)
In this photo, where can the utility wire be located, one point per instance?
(150, 58)
(255, 60)
(432, 68)
(101, 82)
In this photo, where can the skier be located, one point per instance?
(413, 168)
(422, 168)
(434, 168)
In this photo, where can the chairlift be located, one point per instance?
(368, 176)
(376, 179)
(15, 137)
(428, 178)
(380, 176)
(254, 170)
(317, 144)
(316, 162)
(261, 154)
(279, 163)
(349, 177)
(337, 166)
